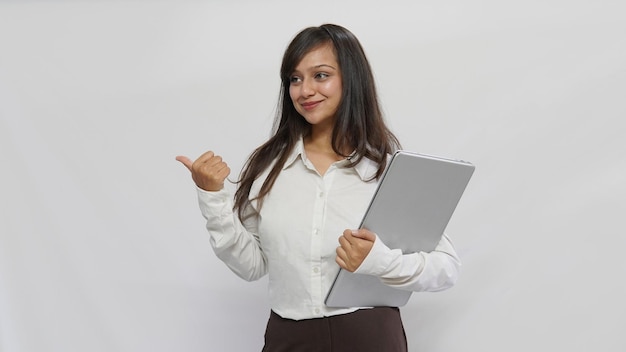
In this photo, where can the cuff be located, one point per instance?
(213, 203)
(378, 259)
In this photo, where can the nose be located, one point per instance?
(307, 88)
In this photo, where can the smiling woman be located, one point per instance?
(315, 91)
(100, 249)
(322, 166)
(315, 87)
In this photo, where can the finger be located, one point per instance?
(341, 253)
(363, 234)
(202, 159)
(347, 234)
(217, 165)
(185, 161)
(213, 161)
(341, 257)
(343, 241)
(341, 263)
(223, 173)
(217, 172)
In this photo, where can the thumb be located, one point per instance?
(185, 161)
(364, 234)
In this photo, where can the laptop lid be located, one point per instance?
(410, 210)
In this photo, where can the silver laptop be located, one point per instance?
(410, 210)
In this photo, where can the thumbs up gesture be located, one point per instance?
(208, 171)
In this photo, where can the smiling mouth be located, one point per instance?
(310, 105)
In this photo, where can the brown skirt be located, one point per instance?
(376, 330)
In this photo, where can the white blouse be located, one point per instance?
(294, 235)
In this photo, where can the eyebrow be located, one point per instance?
(317, 67)
(324, 65)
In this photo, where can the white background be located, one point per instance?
(102, 246)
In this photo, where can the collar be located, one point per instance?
(366, 168)
(298, 150)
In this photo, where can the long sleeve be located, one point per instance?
(235, 243)
(432, 271)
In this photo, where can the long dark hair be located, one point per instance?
(359, 124)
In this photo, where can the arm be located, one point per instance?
(235, 243)
(433, 271)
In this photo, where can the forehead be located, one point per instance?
(320, 55)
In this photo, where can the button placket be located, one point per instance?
(316, 246)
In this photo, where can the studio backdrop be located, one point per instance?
(102, 245)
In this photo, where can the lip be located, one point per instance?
(310, 105)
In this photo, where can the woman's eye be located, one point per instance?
(321, 75)
(294, 79)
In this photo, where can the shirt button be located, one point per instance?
(321, 194)
(316, 270)
(316, 232)
(316, 311)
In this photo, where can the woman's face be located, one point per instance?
(315, 86)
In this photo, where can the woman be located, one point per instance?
(302, 193)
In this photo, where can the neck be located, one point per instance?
(319, 152)
(321, 141)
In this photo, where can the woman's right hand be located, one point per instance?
(208, 171)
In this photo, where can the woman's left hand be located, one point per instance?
(355, 245)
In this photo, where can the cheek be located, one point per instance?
(331, 89)
(293, 94)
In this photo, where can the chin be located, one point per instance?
(316, 120)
